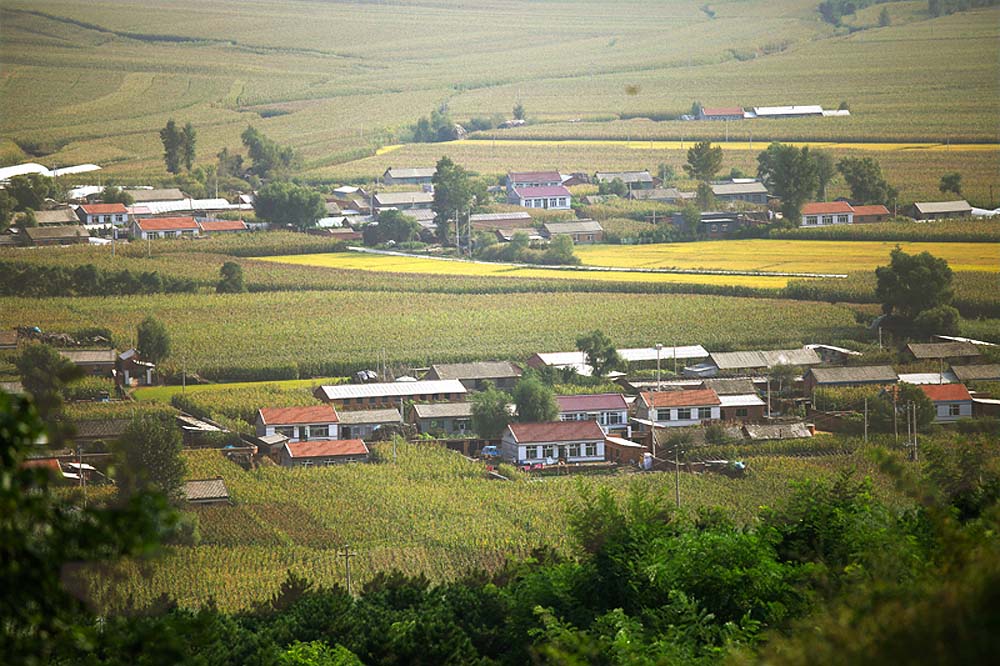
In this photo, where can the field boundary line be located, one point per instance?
(600, 269)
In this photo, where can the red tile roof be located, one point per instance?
(827, 208)
(325, 448)
(167, 223)
(296, 415)
(534, 176)
(722, 111)
(692, 398)
(556, 431)
(550, 191)
(223, 225)
(50, 464)
(946, 392)
(877, 209)
(590, 403)
(103, 209)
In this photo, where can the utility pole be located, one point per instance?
(677, 474)
(347, 554)
(183, 376)
(658, 348)
(866, 420)
(916, 455)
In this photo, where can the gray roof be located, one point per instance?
(662, 194)
(399, 198)
(368, 416)
(777, 431)
(480, 370)
(498, 217)
(943, 206)
(444, 410)
(722, 189)
(167, 194)
(418, 172)
(932, 350)
(57, 216)
(105, 429)
(730, 386)
(967, 373)
(764, 359)
(89, 356)
(203, 490)
(578, 227)
(624, 176)
(391, 389)
(57, 231)
(867, 374)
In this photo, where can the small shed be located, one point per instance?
(936, 210)
(624, 451)
(503, 374)
(943, 351)
(989, 372)
(95, 362)
(447, 418)
(323, 452)
(363, 423)
(206, 491)
(951, 401)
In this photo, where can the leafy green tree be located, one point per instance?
(704, 197)
(148, 458)
(864, 177)
(560, 252)
(114, 194)
(153, 340)
(536, 402)
(392, 225)
(951, 182)
(317, 653)
(7, 206)
(173, 145)
(703, 161)
(600, 352)
(666, 173)
(490, 414)
(26, 220)
(696, 108)
(913, 283)
(616, 187)
(454, 196)
(939, 320)
(270, 160)
(45, 373)
(231, 279)
(791, 174)
(188, 139)
(884, 19)
(283, 203)
(783, 376)
(826, 169)
(30, 190)
(230, 165)
(880, 410)
(519, 111)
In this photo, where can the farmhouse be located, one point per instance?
(977, 373)
(870, 214)
(56, 217)
(541, 443)
(739, 399)
(665, 195)
(415, 176)
(943, 351)
(720, 113)
(445, 418)
(164, 227)
(323, 452)
(679, 408)
(581, 231)
(880, 375)
(391, 394)
(362, 424)
(633, 180)
(403, 200)
(144, 195)
(298, 424)
(519, 179)
(96, 362)
(209, 227)
(828, 213)
(750, 191)
(635, 357)
(501, 221)
(609, 410)
(936, 210)
(206, 491)
(551, 197)
(133, 369)
(503, 374)
(758, 361)
(114, 213)
(62, 235)
(951, 401)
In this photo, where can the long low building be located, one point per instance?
(577, 360)
(389, 394)
(849, 376)
(744, 361)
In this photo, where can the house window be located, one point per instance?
(287, 431)
(612, 418)
(828, 219)
(954, 410)
(810, 219)
(562, 201)
(715, 227)
(567, 417)
(662, 415)
(684, 414)
(530, 452)
(841, 219)
(725, 227)
(462, 425)
(704, 412)
(318, 431)
(590, 237)
(548, 451)
(590, 450)
(574, 451)
(742, 412)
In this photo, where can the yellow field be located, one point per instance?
(430, 266)
(781, 255)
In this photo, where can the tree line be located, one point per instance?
(36, 281)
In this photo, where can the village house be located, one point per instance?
(751, 362)
(164, 227)
(363, 424)
(609, 410)
(298, 424)
(977, 373)
(323, 452)
(93, 362)
(403, 200)
(501, 221)
(209, 227)
(56, 235)
(546, 443)
(206, 491)
(747, 190)
(391, 394)
(132, 369)
(581, 231)
(103, 214)
(678, 408)
(936, 210)
(826, 214)
(503, 374)
(739, 399)
(871, 214)
(943, 351)
(624, 451)
(713, 224)
(669, 195)
(550, 197)
(878, 375)
(444, 418)
(518, 179)
(58, 216)
(951, 401)
(633, 180)
(414, 176)
(720, 113)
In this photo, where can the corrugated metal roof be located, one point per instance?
(935, 350)
(805, 110)
(579, 227)
(397, 198)
(624, 176)
(61, 231)
(722, 189)
(764, 359)
(777, 431)
(928, 378)
(534, 177)
(444, 410)
(868, 374)
(205, 489)
(369, 416)
(968, 373)
(746, 400)
(960, 206)
(391, 389)
(479, 370)
(416, 172)
(89, 356)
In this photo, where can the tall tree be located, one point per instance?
(519, 111)
(230, 279)
(790, 173)
(114, 194)
(600, 352)
(951, 182)
(536, 402)
(918, 288)
(490, 414)
(392, 225)
(173, 143)
(188, 139)
(864, 177)
(283, 203)
(230, 164)
(270, 160)
(153, 340)
(826, 169)
(30, 190)
(45, 374)
(149, 458)
(703, 161)
(454, 196)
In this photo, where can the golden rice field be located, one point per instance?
(431, 266)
